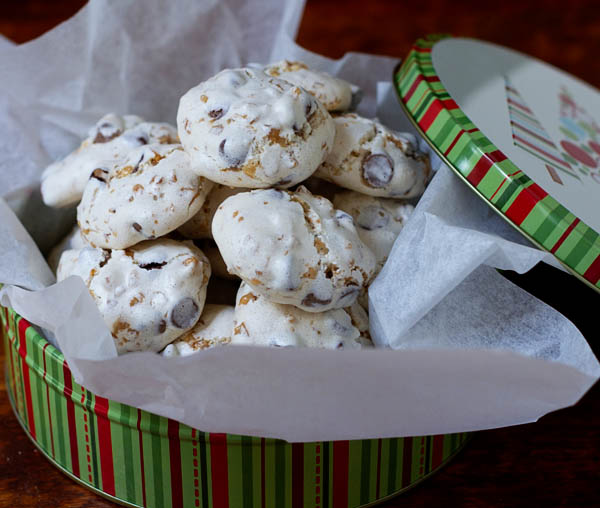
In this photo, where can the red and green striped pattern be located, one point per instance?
(474, 157)
(142, 459)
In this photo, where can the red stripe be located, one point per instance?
(563, 237)
(412, 88)
(432, 79)
(449, 104)
(23, 325)
(421, 50)
(431, 114)
(378, 482)
(175, 463)
(341, 454)
(143, 474)
(438, 451)
(263, 494)
(48, 400)
(454, 141)
(407, 461)
(593, 272)
(105, 445)
(297, 475)
(68, 391)
(520, 106)
(524, 203)
(218, 469)
(548, 142)
(483, 165)
(537, 149)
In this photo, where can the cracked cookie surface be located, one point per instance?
(368, 157)
(244, 128)
(149, 194)
(148, 295)
(294, 248)
(334, 93)
(108, 142)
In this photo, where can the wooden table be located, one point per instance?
(555, 462)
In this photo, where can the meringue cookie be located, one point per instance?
(148, 295)
(369, 158)
(149, 194)
(243, 128)
(212, 329)
(378, 221)
(335, 94)
(109, 141)
(263, 323)
(293, 247)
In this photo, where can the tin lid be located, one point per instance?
(521, 133)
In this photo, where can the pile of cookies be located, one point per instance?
(269, 181)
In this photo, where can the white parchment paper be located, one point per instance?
(461, 347)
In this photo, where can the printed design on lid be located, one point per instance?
(581, 144)
(529, 134)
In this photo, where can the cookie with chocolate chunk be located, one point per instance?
(149, 295)
(149, 194)
(369, 158)
(243, 128)
(260, 322)
(212, 329)
(378, 221)
(293, 247)
(109, 141)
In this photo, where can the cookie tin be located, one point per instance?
(136, 458)
(521, 133)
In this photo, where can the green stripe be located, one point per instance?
(247, 449)
(580, 249)
(92, 429)
(204, 472)
(546, 228)
(392, 472)
(365, 470)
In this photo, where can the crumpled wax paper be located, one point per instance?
(461, 347)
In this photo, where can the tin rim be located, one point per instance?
(435, 105)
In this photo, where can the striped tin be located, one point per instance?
(493, 176)
(137, 458)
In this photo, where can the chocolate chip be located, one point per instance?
(185, 313)
(137, 227)
(152, 266)
(311, 300)
(101, 137)
(329, 272)
(229, 153)
(215, 114)
(349, 296)
(142, 140)
(99, 174)
(377, 170)
(373, 217)
(106, 254)
(162, 326)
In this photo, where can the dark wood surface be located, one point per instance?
(554, 462)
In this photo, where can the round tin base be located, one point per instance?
(136, 458)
